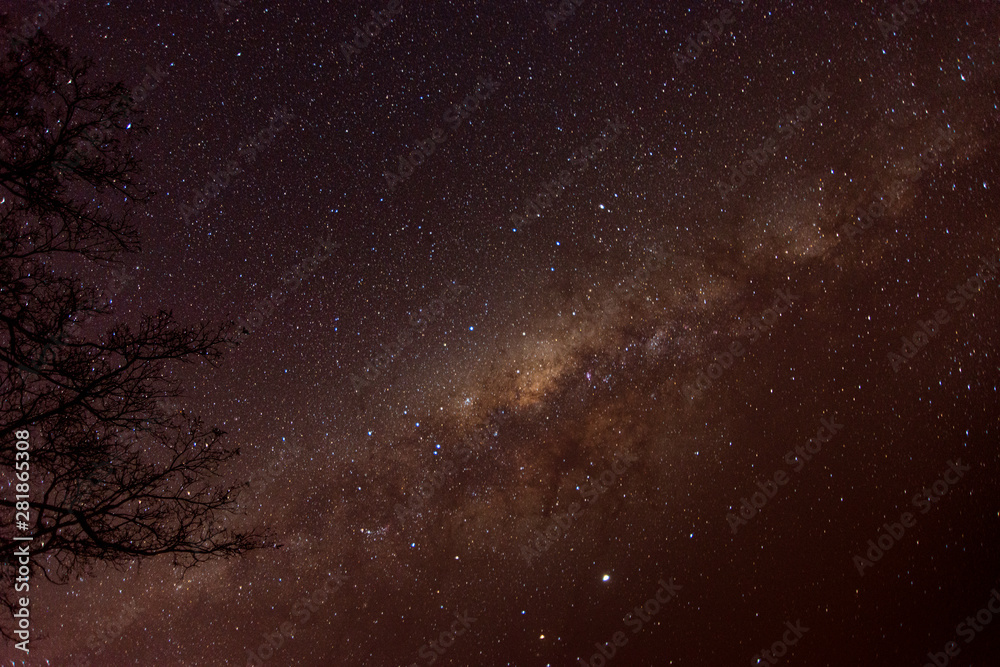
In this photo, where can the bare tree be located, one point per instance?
(116, 474)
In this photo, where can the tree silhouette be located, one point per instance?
(117, 474)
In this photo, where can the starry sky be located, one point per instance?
(575, 282)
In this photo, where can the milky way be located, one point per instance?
(573, 425)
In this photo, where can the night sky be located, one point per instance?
(622, 286)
